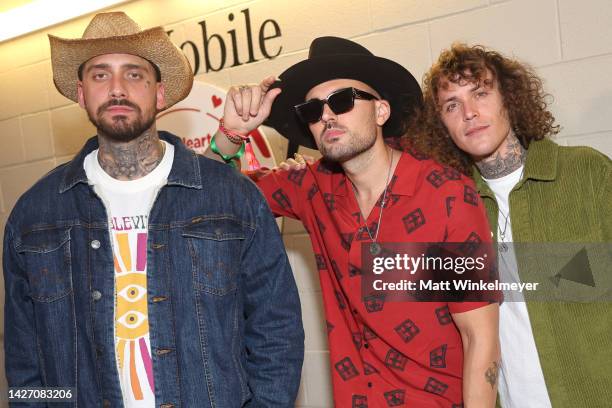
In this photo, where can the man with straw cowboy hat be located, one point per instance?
(134, 273)
(344, 100)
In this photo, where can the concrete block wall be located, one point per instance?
(568, 42)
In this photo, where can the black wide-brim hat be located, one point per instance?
(335, 58)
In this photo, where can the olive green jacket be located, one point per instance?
(565, 196)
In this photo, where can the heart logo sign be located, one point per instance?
(216, 101)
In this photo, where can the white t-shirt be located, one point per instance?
(521, 381)
(128, 204)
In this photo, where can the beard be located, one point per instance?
(343, 152)
(119, 128)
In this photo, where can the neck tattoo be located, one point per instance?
(375, 247)
(500, 165)
(131, 160)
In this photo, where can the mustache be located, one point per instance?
(330, 126)
(117, 102)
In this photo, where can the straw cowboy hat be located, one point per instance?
(116, 33)
(333, 58)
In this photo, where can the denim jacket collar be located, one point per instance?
(185, 169)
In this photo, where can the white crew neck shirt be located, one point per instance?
(521, 381)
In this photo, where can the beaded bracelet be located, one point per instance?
(233, 137)
(229, 159)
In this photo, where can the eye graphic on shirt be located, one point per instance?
(132, 293)
(132, 319)
(131, 299)
(131, 308)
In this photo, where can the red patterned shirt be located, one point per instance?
(396, 354)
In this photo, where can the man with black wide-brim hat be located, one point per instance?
(131, 275)
(345, 101)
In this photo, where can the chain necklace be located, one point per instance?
(503, 246)
(375, 246)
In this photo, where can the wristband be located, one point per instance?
(233, 137)
(229, 159)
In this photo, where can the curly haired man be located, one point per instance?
(488, 116)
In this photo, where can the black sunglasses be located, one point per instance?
(340, 101)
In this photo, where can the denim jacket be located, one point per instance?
(224, 313)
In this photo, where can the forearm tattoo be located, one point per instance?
(492, 374)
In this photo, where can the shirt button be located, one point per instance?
(369, 385)
(96, 295)
(366, 345)
(106, 403)
(95, 244)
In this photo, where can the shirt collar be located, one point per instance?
(185, 169)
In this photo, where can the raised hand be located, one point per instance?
(247, 106)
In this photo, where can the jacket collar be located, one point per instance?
(185, 168)
(541, 164)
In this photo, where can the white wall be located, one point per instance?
(568, 41)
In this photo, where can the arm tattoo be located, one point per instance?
(492, 374)
(504, 162)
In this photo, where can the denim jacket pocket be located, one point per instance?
(48, 263)
(215, 245)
